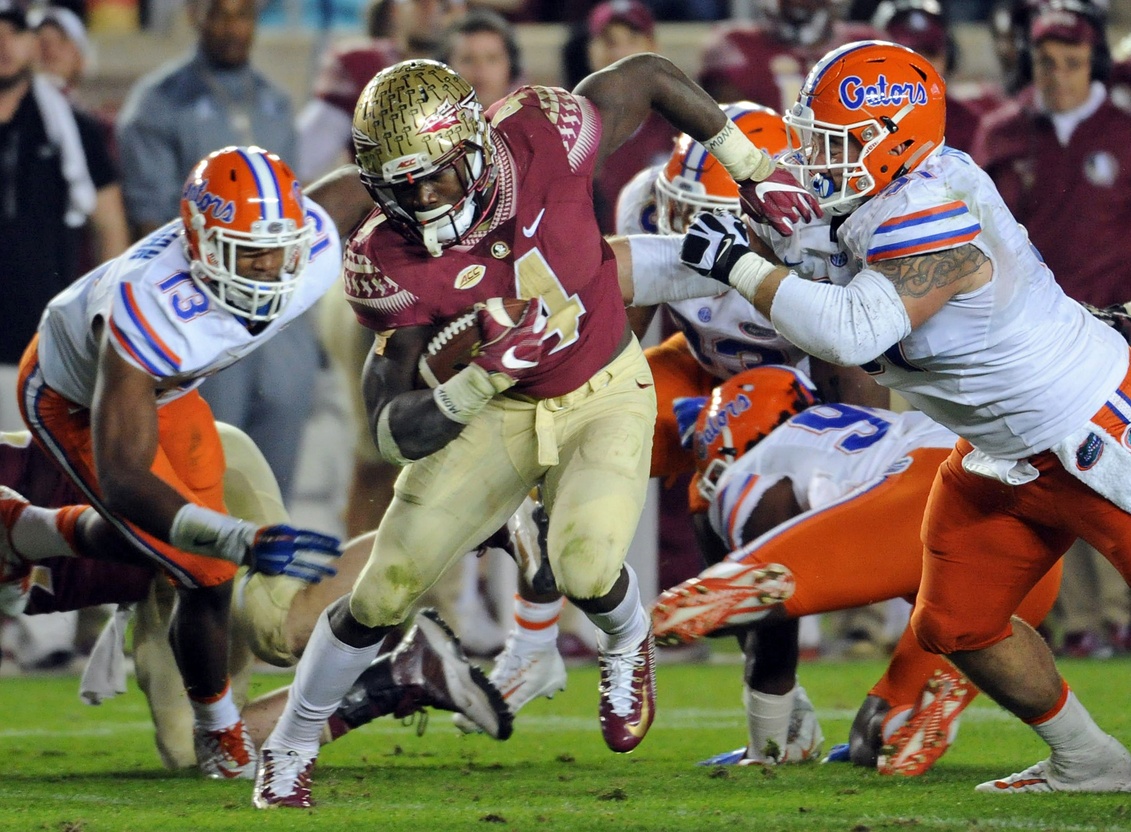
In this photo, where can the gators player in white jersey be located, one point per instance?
(959, 313)
(108, 389)
(796, 491)
(472, 207)
(272, 616)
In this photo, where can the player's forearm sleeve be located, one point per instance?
(845, 325)
(658, 276)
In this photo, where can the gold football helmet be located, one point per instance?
(418, 119)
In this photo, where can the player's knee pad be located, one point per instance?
(383, 598)
(259, 613)
(582, 573)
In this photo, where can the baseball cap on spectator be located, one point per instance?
(69, 23)
(1062, 25)
(14, 13)
(631, 13)
(917, 25)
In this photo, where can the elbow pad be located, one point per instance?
(845, 325)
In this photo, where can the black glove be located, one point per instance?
(1116, 316)
(713, 244)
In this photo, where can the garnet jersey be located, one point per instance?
(348, 67)
(1014, 366)
(725, 333)
(540, 241)
(747, 61)
(159, 320)
(828, 453)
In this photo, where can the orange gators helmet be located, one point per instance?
(694, 181)
(417, 119)
(868, 112)
(239, 200)
(740, 413)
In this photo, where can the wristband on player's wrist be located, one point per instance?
(742, 159)
(202, 531)
(465, 394)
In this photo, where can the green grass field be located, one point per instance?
(73, 768)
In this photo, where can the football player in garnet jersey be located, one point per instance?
(108, 389)
(470, 206)
(952, 306)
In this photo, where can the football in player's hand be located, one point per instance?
(460, 339)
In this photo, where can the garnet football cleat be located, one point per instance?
(728, 594)
(628, 695)
(226, 754)
(431, 666)
(283, 779)
(926, 735)
(522, 676)
(12, 505)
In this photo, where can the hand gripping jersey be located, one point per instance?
(829, 452)
(540, 241)
(1015, 366)
(725, 333)
(157, 318)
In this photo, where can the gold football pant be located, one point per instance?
(590, 450)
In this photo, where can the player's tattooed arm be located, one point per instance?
(927, 281)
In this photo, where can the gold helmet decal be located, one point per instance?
(413, 115)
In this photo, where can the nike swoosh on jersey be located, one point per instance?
(513, 362)
(528, 231)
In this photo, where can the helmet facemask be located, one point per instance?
(830, 160)
(215, 251)
(446, 225)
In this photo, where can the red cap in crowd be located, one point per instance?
(629, 12)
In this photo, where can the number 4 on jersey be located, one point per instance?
(537, 279)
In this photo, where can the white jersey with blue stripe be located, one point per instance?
(827, 452)
(157, 318)
(725, 333)
(1014, 366)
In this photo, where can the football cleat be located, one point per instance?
(728, 758)
(1104, 772)
(283, 779)
(431, 666)
(728, 594)
(226, 754)
(628, 695)
(12, 505)
(521, 677)
(930, 729)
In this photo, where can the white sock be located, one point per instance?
(767, 720)
(624, 626)
(327, 670)
(537, 624)
(1071, 733)
(35, 535)
(217, 713)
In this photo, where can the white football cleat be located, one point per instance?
(728, 594)
(522, 674)
(226, 754)
(930, 729)
(1109, 770)
(282, 778)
